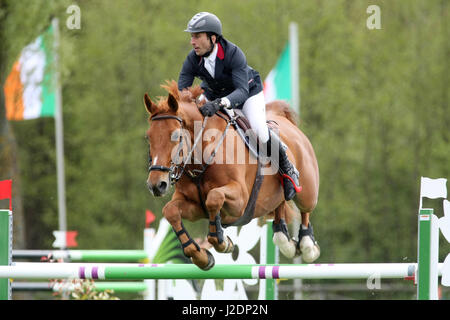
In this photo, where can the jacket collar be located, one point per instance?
(218, 52)
(213, 54)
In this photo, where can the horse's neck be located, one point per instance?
(214, 127)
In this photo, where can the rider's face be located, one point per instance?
(200, 43)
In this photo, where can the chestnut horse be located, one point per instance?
(220, 191)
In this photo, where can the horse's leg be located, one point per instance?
(307, 246)
(173, 211)
(214, 202)
(281, 234)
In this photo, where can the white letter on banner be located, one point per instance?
(444, 222)
(444, 225)
(445, 281)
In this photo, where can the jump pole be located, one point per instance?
(117, 286)
(29, 270)
(85, 255)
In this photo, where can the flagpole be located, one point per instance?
(295, 74)
(295, 80)
(62, 220)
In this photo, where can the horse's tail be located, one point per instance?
(281, 108)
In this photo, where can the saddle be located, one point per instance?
(243, 128)
(241, 120)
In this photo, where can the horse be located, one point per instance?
(220, 191)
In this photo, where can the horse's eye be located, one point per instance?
(175, 135)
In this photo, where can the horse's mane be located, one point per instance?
(186, 95)
(190, 94)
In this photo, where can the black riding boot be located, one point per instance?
(289, 174)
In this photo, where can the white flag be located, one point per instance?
(433, 188)
(60, 239)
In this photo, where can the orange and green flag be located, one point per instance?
(31, 85)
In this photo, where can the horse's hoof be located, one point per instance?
(309, 249)
(286, 246)
(230, 246)
(211, 261)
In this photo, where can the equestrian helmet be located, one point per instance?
(204, 22)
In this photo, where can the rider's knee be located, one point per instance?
(263, 134)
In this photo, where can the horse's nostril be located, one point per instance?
(162, 186)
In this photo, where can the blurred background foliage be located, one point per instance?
(374, 103)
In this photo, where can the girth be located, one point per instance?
(249, 211)
(197, 180)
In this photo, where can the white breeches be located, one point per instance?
(255, 111)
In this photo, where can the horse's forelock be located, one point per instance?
(172, 88)
(186, 95)
(195, 91)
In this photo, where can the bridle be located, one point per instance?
(177, 168)
(171, 170)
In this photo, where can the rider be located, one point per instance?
(228, 82)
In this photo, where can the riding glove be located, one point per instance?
(211, 107)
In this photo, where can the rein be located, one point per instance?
(176, 170)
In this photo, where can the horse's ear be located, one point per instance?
(149, 105)
(172, 102)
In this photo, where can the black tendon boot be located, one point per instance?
(289, 174)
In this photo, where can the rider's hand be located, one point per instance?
(210, 108)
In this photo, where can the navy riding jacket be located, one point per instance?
(234, 79)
